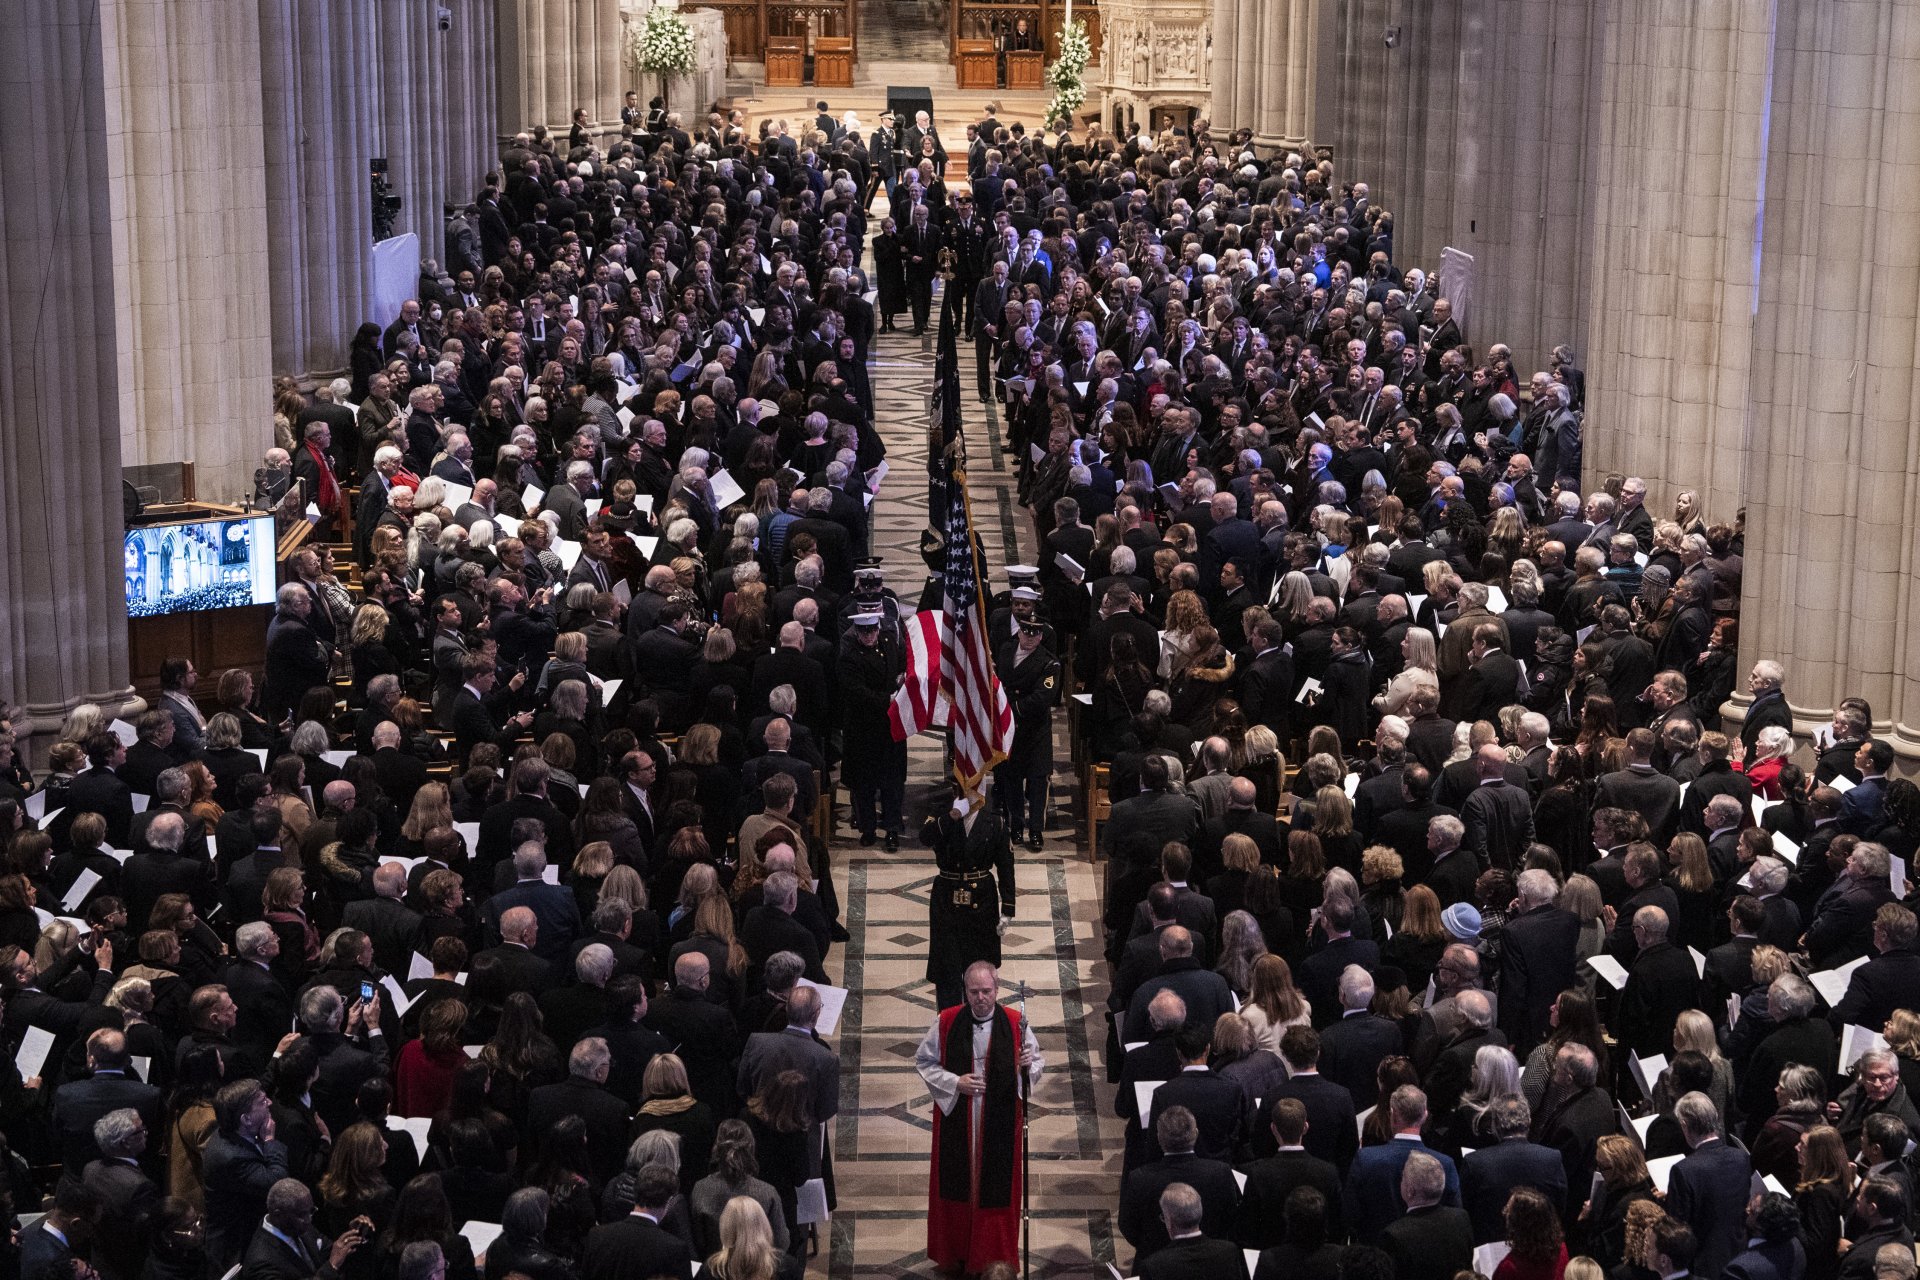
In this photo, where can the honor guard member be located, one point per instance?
(871, 595)
(1030, 673)
(873, 764)
(1018, 575)
(884, 150)
(1023, 608)
(972, 897)
(933, 550)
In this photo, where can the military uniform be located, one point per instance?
(873, 764)
(1032, 684)
(971, 892)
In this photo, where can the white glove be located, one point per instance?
(1000, 926)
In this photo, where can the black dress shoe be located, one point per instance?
(1037, 844)
(893, 842)
(866, 839)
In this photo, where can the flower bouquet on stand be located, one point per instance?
(1066, 75)
(662, 45)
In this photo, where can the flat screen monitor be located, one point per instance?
(201, 564)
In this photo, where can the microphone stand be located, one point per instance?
(1026, 1147)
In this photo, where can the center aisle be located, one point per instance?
(883, 1136)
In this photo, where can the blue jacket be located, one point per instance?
(1372, 1198)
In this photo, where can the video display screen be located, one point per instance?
(204, 564)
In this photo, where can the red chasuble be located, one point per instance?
(973, 1215)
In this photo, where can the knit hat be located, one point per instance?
(1462, 921)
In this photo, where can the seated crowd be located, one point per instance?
(522, 936)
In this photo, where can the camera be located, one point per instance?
(386, 201)
(1392, 37)
(443, 16)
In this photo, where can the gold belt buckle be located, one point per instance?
(963, 897)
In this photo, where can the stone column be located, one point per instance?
(63, 630)
(1833, 456)
(1674, 246)
(472, 97)
(555, 55)
(187, 175)
(321, 126)
(1263, 51)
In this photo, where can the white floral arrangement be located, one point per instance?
(662, 44)
(1066, 75)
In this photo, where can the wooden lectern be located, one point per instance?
(787, 62)
(833, 62)
(979, 65)
(1025, 68)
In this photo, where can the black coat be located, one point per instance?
(1536, 965)
(1269, 1182)
(1196, 1258)
(1140, 1220)
(1432, 1243)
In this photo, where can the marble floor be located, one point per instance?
(881, 1140)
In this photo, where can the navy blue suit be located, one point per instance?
(1373, 1186)
(1489, 1175)
(1708, 1191)
(555, 906)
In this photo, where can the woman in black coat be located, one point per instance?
(363, 359)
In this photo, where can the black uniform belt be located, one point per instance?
(963, 875)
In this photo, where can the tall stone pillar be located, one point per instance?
(1674, 246)
(1262, 70)
(187, 176)
(473, 98)
(322, 129)
(1833, 467)
(556, 55)
(63, 631)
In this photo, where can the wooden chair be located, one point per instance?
(1099, 808)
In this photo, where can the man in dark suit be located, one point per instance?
(1431, 1241)
(1843, 917)
(399, 773)
(296, 660)
(1352, 1047)
(1204, 992)
(1241, 818)
(479, 712)
(1266, 683)
(1190, 1254)
(1537, 961)
(1491, 682)
(1373, 1197)
(165, 867)
(265, 1006)
(1708, 1189)
(80, 1104)
(46, 1247)
(1489, 1174)
(386, 918)
(522, 968)
(1773, 1251)
(99, 789)
(708, 1037)
(128, 1197)
(1272, 1179)
(1452, 869)
(1580, 1115)
(778, 758)
(1639, 787)
(1662, 984)
(797, 1047)
(1176, 1133)
(286, 1247)
(1147, 1061)
(1217, 1104)
(1498, 815)
(553, 905)
(1881, 1210)
(1729, 968)
(1889, 979)
(500, 822)
(584, 1093)
(637, 1247)
(771, 927)
(1320, 973)
(1331, 1133)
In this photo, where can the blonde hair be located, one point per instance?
(746, 1243)
(432, 807)
(1332, 812)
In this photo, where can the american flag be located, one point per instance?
(948, 666)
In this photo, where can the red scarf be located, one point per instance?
(328, 499)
